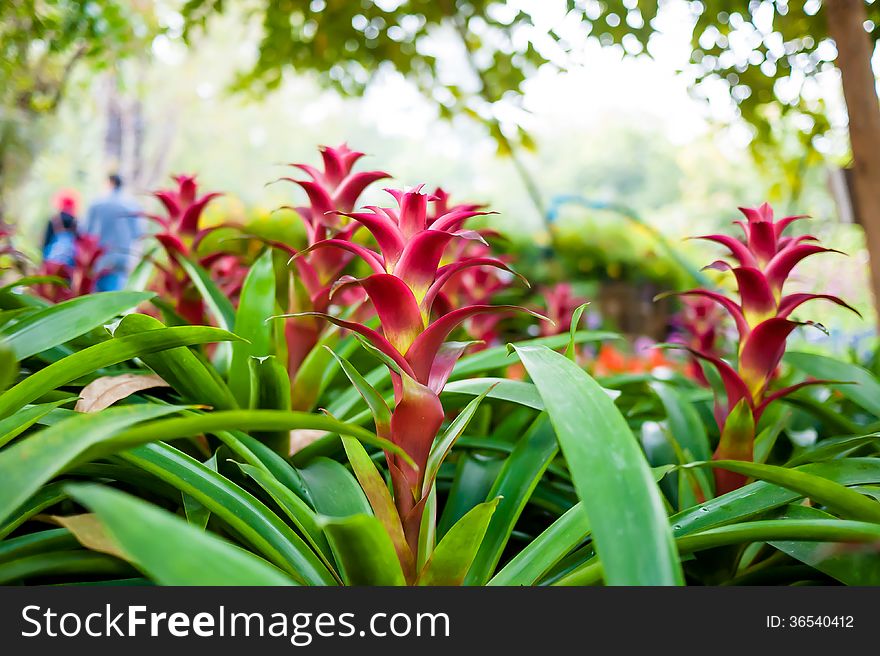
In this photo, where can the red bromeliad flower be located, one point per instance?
(180, 236)
(82, 277)
(700, 320)
(763, 262)
(474, 285)
(330, 191)
(184, 209)
(561, 303)
(406, 282)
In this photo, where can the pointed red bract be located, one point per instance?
(416, 418)
(407, 279)
(764, 260)
(425, 348)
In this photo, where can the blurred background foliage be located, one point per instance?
(538, 100)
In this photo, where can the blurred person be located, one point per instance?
(59, 240)
(115, 219)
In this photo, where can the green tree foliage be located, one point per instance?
(41, 44)
(346, 43)
(767, 55)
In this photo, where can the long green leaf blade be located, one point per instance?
(612, 478)
(837, 497)
(254, 420)
(517, 479)
(864, 390)
(93, 358)
(542, 553)
(256, 304)
(57, 324)
(168, 549)
(246, 514)
(455, 554)
(760, 496)
(220, 306)
(364, 551)
(28, 464)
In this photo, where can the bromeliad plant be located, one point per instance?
(700, 321)
(406, 281)
(763, 262)
(180, 236)
(79, 279)
(128, 456)
(331, 191)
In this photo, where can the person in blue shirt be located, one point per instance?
(59, 240)
(116, 220)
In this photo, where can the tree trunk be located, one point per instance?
(846, 19)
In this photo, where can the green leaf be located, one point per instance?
(844, 563)
(542, 553)
(684, 422)
(831, 448)
(244, 513)
(454, 555)
(822, 530)
(18, 423)
(29, 463)
(487, 360)
(364, 551)
(473, 479)
(441, 447)
(8, 367)
(517, 479)
(350, 398)
(837, 497)
(333, 490)
(255, 306)
(315, 371)
(27, 281)
(270, 390)
(299, 512)
(63, 563)
(45, 497)
(269, 460)
(187, 373)
(834, 421)
(380, 499)
(515, 391)
(864, 390)
(499, 357)
(168, 549)
(613, 481)
(427, 529)
(220, 306)
(759, 497)
(779, 417)
(93, 358)
(56, 539)
(196, 513)
(61, 323)
(837, 530)
(254, 420)
(570, 350)
(376, 404)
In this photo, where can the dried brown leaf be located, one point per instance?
(105, 391)
(90, 533)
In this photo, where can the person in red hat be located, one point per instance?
(60, 238)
